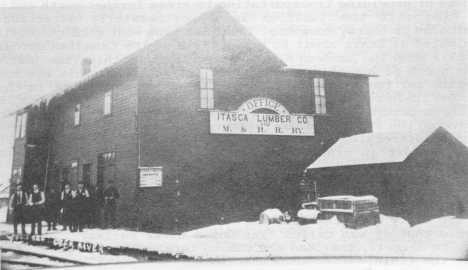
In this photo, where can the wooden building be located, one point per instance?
(417, 176)
(203, 126)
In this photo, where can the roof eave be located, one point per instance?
(328, 71)
(350, 165)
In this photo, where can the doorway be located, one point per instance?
(106, 169)
(87, 175)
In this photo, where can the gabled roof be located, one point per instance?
(217, 11)
(372, 148)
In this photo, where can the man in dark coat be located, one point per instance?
(52, 208)
(36, 201)
(67, 208)
(81, 206)
(18, 204)
(110, 195)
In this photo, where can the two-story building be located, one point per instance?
(205, 125)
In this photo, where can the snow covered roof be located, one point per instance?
(351, 198)
(371, 148)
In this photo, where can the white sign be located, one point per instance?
(151, 177)
(243, 121)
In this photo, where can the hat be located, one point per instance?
(19, 184)
(80, 183)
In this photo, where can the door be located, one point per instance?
(106, 168)
(65, 177)
(105, 174)
(87, 175)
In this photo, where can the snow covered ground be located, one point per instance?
(445, 237)
(89, 258)
(3, 213)
(33, 259)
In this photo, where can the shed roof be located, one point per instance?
(372, 148)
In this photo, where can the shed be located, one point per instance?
(418, 176)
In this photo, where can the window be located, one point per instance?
(319, 93)
(16, 177)
(20, 130)
(108, 103)
(206, 89)
(74, 173)
(77, 114)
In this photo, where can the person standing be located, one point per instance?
(67, 208)
(52, 208)
(110, 195)
(17, 205)
(81, 206)
(36, 201)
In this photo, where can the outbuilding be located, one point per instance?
(418, 176)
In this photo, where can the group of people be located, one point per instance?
(72, 208)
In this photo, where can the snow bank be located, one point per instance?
(393, 237)
(394, 223)
(440, 238)
(3, 213)
(308, 213)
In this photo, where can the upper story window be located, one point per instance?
(206, 89)
(77, 114)
(108, 103)
(20, 130)
(319, 93)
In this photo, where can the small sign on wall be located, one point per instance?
(151, 177)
